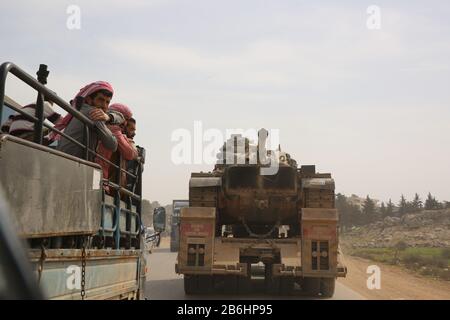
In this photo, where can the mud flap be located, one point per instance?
(197, 231)
(319, 241)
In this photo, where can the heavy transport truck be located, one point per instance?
(82, 242)
(240, 221)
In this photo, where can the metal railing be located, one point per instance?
(43, 93)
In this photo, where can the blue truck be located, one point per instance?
(81, 241)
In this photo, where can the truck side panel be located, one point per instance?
(49, 195)
(110, 274)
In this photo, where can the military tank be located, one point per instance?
(258, 207)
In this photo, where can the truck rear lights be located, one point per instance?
(196, 255)
(319, 255)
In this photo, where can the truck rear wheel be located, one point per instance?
(205, 284)
(190, 284)
(311, 286)
(286, 285)
(195, 284)
(272, 283)
(273, 286)
(327, 286)
(244, 285)
(231, 284)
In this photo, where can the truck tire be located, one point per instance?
(244, 285)
(190, 284)
(231, 284)
(327, 286)
(311, 286)
(205, 284)
(273, 286)
(272, 283)
(286, 286)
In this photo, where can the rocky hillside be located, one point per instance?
(429, 228)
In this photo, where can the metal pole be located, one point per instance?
(4, 69)
(7, 67)
(139, 202)
(42, 75)
(86, 139)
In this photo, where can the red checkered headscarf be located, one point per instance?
(83, 93)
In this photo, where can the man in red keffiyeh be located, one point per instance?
(125, 148)
(93, 101)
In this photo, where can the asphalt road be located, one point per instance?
(164, 284)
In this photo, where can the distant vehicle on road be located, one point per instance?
(175, 223)
(152, 238)
(153, 233)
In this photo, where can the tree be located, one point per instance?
(389, 208)
(431, 203)
(417, 203)
(356, 215)
(343, 208)
(383, 210)
(341, 202)
(369, 210)
(350, 214)
(402, 205)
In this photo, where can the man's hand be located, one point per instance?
(98, 115)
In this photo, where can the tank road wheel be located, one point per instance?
(327, 286)
(311, 286)
(239, 231)
(190, 284)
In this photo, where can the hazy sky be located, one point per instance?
(370, 106)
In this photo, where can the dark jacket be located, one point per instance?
(75, 129)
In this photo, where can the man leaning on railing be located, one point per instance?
(126, 151)
(93, 101)
(134, 165)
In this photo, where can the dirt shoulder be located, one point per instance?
(396, 282)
